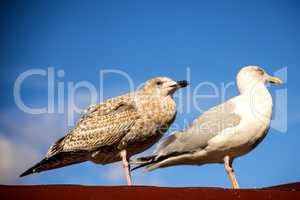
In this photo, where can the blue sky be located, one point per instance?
(214, 39)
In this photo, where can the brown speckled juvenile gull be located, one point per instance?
(224, 132)
(117, 128)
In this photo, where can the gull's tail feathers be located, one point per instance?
(143, 161)
(58, 160)
(152, 162)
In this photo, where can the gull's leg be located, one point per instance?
(229, 170)
(126, 167)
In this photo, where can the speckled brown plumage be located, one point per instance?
(131, 122)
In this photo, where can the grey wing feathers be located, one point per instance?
(196, 137)
(105, 124)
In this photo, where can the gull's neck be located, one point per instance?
(258, 95)
(256, 88)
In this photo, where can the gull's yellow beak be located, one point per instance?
(273, 79)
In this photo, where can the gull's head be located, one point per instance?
(253, 75)
(163, 86)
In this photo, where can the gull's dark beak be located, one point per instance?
(182, 83)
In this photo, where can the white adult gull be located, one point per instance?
(224, 132)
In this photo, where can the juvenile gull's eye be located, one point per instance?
(158, 83)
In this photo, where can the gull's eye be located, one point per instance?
(159, 83)
(260, 71)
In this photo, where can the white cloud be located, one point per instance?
(115, 175)
(26, 140)
(115, 172)
(14, 157)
